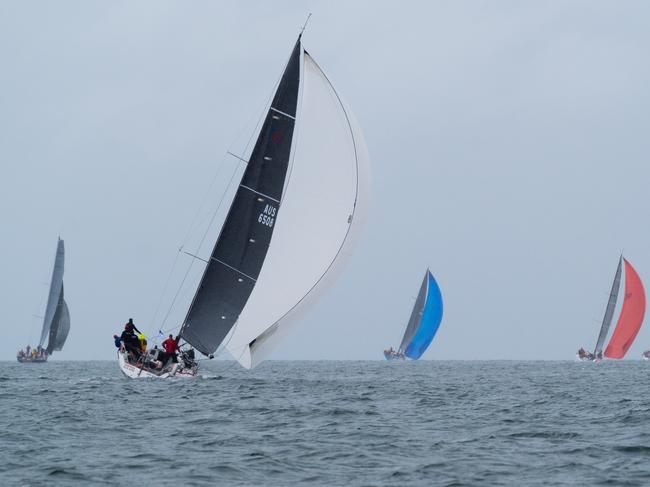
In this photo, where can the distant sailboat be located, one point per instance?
(56, 322)
(423, 324)
(630, 320)
(290, 225)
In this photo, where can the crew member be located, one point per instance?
(143, 342)
(132, 326)
(171, 346)
(130, 339)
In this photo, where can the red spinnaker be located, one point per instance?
(631, 318)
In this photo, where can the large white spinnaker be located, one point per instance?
(323, 206)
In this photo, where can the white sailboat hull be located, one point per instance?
(136, 372)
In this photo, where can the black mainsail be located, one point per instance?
(609, 311)
(239, 252)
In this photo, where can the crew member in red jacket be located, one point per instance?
(171, 347)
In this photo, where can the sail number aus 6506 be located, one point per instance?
(267, 217)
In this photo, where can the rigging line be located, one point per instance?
(164, 291)
(205, 197)
(304, 26)
(202, 205)
(261, 118)
(258, 193)
(233, 268)
(34, 326)
(193, 223)
(205, 234)
(292, 117)
(269, 100)
(237, 157)
(189, 268)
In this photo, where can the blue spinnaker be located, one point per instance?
(430, 322)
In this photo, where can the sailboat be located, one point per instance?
(423, 324)
(56, 322)
(629, 321)
(291, 224)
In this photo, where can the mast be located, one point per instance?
(240, 250)
(609, 311)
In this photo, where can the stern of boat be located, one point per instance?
(139, 372)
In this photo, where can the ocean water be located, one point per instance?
(328, 423)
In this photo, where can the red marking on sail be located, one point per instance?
(631, 318)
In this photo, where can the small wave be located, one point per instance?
(342, 412)
(66, 473)
(324, 423)
(225, 470)
(634, 449)
(544, 434)
(211, 377)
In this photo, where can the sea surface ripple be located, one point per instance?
(328, 423)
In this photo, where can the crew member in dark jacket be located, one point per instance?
(130, 339)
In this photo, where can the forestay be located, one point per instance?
(609, 311)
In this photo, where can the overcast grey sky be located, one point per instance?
(508, 140)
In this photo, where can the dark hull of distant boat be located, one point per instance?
(25, 360)
(393, 356)
(588, 358)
